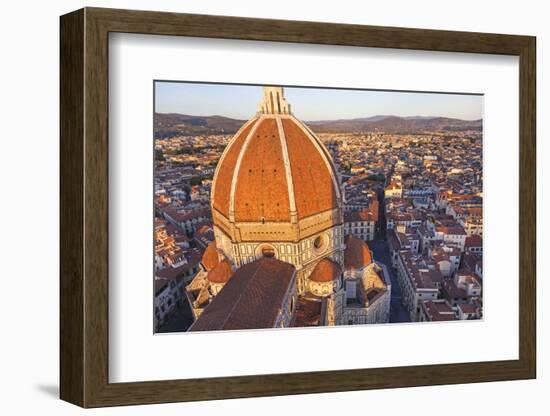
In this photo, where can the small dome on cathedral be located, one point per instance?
(210, 257)
(274, 170)
(325, 271)
(221, 273)
(357, 254)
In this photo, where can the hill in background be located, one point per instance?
(395, 124)
(169, 125)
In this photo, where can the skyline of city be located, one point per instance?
(313, 103)
(272, 223)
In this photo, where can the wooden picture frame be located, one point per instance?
(84, 207)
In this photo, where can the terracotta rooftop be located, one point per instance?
(357, 254)
(325, 271)
(452, 292)
(171, 273)
(308, 312)
(221, 273)
(450, 230)
(251, 299)
(224, 172)
(420, 275)
(468, 308)
(471, 260)
(186, 214)
(314, 189)
(358, 216)
(210, 257)
(438, 310)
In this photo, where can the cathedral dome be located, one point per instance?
(221, 273)
(325, 271)
(357, 254)
(274, 170)
(210, 257)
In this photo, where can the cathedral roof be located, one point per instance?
(357, 254)
(274, 169)
(221, 273)
(210, 256)
(252, 298)
(325, 271)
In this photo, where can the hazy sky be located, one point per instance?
(241, 102)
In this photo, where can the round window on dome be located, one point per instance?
(320, 243)
(265, 250)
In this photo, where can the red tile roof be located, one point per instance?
(358, 216)
(210, 257)
(438, 310)
(221, 273)
(325, 270)
(468, 308)
(224, 171)
(252, 298)
(357, 254)
(261, 188)
(313, 186)
(308, 312)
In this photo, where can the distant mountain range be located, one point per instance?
(395, 124)
(171, 124)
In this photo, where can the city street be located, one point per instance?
(381, 252)
(180, 321)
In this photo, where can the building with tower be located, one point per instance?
(279, 255)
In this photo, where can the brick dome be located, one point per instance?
(325, 271)
(357, 254)
(210, 256)
(221, 273)
(274, 170)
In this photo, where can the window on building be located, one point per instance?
(268, 251)
(320, 243)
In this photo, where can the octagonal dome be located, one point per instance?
(274, 170)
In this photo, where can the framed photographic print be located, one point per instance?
(256, 207)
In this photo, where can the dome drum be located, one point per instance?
(277, 231)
